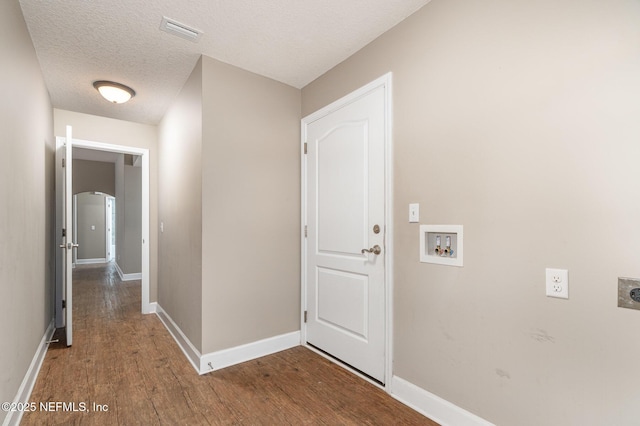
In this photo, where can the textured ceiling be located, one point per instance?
(292, 41)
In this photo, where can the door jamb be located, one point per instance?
(74, 219)
(108, 220)
(386, 82)
(147, 307)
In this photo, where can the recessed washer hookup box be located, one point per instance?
(629, 293)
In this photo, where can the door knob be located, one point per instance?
(375, 250)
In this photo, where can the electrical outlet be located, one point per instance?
(557, 283)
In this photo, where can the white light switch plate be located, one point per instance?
(414, 213)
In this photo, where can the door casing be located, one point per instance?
(386, 82)
(108, 220)
(147, 307)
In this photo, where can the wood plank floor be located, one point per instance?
(128, 362)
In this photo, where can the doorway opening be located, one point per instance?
(94, 222)
(139, 159)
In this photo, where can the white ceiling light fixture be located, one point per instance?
(114, 92)
(179, 29)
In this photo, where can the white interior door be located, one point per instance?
(60, 232)
(69, 244)
(345, 214)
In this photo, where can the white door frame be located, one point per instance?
(74, 212)
(384, 81)
(108, 220)
(144, 155)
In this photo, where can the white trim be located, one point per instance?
(190, 351)
(144, 154)
(107, 248)
(146, 275)
(303, 237)
(74, 253)
(26, 387)
(90, 261)
(133, 277)
(386, 82)
(227, 357)
(388, 196)
(153, 307)
(108, 220)
(129, 277)
(432, 406)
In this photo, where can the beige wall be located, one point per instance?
(131, 244)
(180, 209)
(518, 120)
(119, 195)
(128, 192)
(90, 211)
(26, 218)
(119, 132)
(229, 149)
(251, 207)
(93, 176)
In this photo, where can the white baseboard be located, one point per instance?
(90, 261)
(131, 277)
(127, 277)
(190, 351)
(151, 308)
(228, 357)
(432, 406)
(26, 387)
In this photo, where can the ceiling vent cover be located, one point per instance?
(170, 26)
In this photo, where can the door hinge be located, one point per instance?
(305, 147)
(305, 316)
(64, 304)
(64, 162)
(305, 231)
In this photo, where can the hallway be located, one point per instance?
(124, 368)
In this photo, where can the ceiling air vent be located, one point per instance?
(181, 30)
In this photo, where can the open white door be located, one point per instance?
(64, 233)
(64, 200)
(68, 222)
